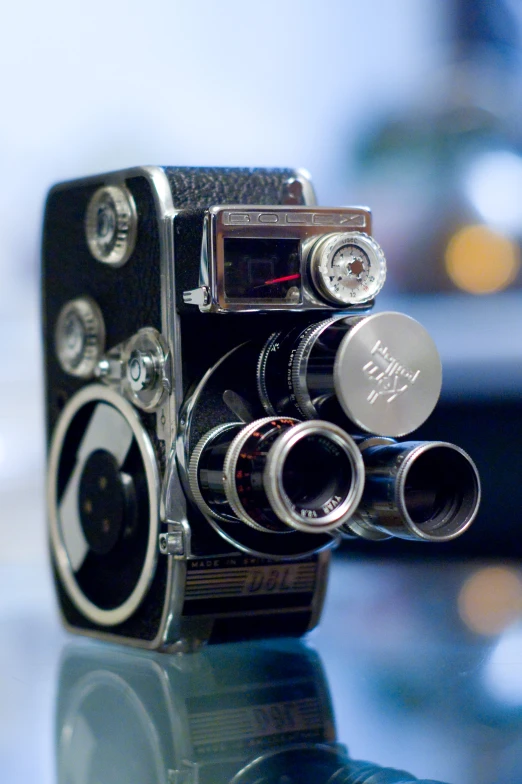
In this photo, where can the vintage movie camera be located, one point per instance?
(222, 404)
(244, 713)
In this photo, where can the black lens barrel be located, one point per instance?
(278, 475)
(295, 370)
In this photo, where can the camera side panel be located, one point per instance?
(129, 298)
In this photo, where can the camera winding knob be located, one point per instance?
(348, 268)
(111, 225)
(79, 337)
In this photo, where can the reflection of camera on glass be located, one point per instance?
(249, 713)
(222, 405)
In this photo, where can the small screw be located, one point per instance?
(172, 543)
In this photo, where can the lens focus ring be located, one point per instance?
(195, 467)
(230, 473)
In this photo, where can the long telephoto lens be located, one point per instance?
(423, 490)
(381, 372)
(278, 474)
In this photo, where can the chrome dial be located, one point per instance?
(79, 337)
(111, 225)
(348, 268)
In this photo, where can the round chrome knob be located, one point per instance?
(348, 268)
(111, 224)
(145, 359)
(79, 337)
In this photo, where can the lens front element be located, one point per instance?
(422, 490)
(313, 476)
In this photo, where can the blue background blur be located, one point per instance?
(410, 107)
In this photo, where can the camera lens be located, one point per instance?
(417, 490)
(206, 472)
(382, 373)
(432, 489)
(313, 477)
(313, 471)
(278, 475)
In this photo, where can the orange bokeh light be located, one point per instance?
(481, 261)
(491, 599)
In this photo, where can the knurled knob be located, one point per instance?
(80, 337)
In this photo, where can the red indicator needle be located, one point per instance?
(282, 280)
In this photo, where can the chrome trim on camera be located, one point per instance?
(199, 297)
(150, 384)
(300, 223)
(299, 188)
(102, 394)
(173, 505)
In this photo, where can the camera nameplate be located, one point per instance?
(300, 224)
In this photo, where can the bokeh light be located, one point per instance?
(503, 673)
(490, 600)
(481, 261)
(494, 187)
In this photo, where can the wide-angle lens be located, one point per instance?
(424, 490)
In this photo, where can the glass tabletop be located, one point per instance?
(415, 672)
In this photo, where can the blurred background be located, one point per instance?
(412, 108)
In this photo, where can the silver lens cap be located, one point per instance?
(388, 374)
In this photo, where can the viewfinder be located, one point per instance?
(262, 269)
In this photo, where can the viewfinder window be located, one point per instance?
(262, 269)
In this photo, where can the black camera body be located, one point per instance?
(222, 405)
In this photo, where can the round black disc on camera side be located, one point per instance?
(106, 501)
(103, 494)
